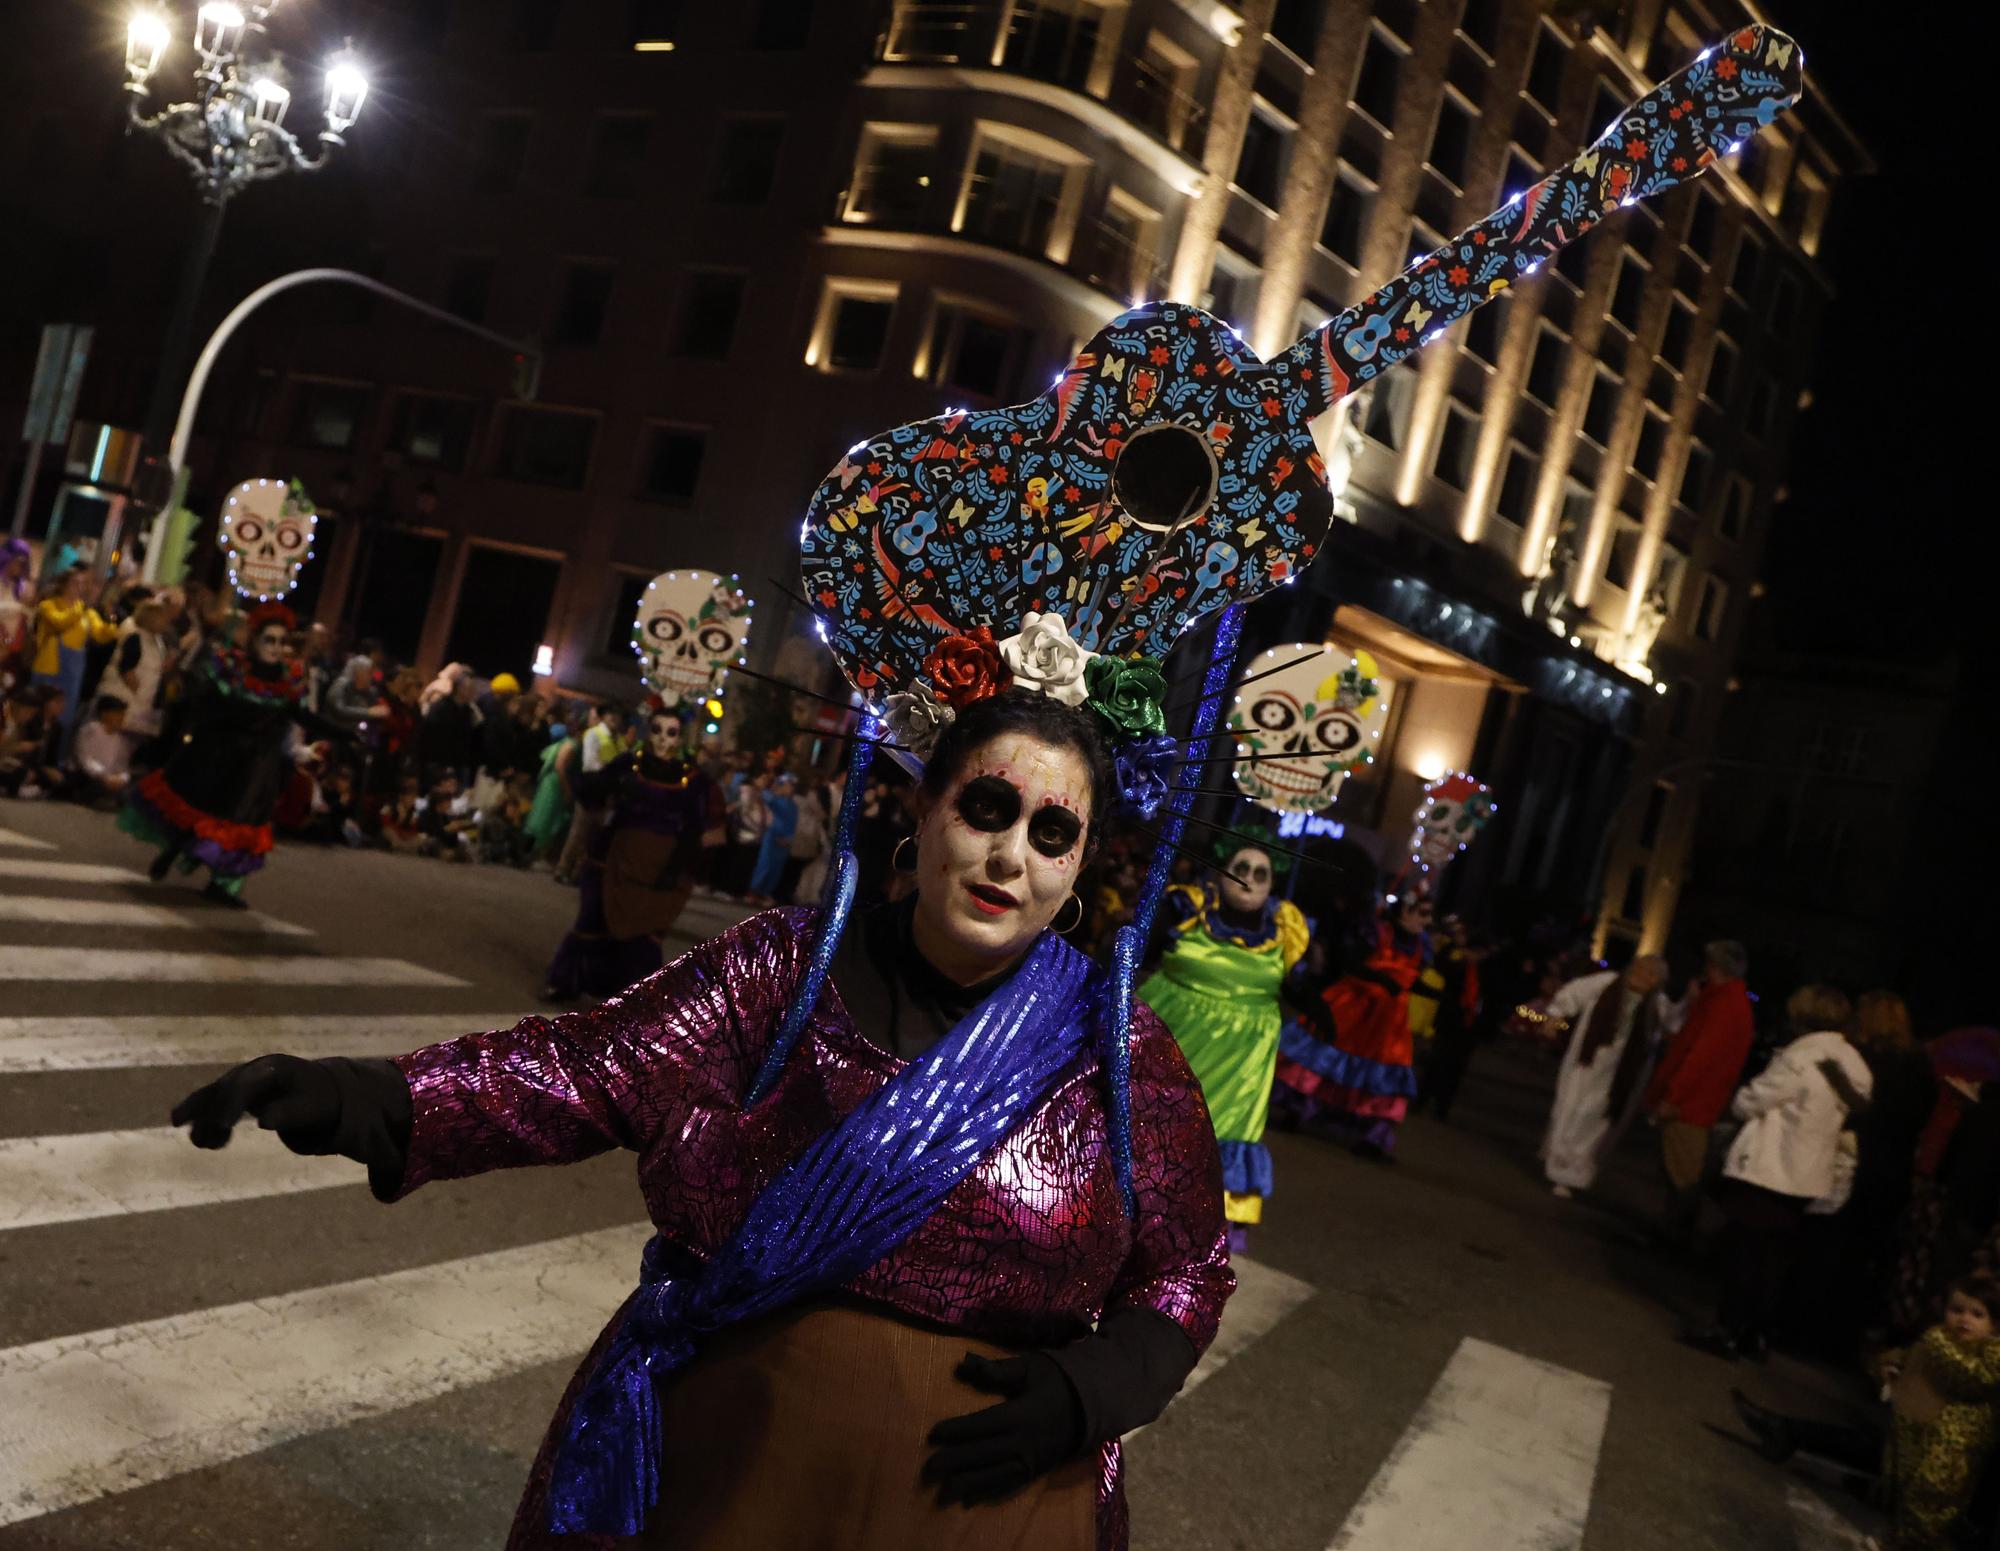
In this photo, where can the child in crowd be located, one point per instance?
(30, 742)
(503, 833)
(103, 755)
(1944, 1398)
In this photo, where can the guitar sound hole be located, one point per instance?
(1165, 477)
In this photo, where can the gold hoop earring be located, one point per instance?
(896, 856)
(1063, 931)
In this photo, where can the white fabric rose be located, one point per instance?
(1042, 657)
(917, 721)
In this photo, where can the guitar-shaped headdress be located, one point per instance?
(1170, 472)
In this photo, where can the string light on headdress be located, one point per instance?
(1456, 807)
(267, 532)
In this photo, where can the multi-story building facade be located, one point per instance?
(751, 235)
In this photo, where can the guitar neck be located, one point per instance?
(1671, 135)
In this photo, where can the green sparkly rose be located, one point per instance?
(1126, 692)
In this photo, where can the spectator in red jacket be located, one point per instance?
(1697, 1075)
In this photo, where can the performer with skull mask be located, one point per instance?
(211, 805)
(1229, 946)
(637, 874)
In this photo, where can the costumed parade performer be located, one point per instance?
(897, 1171)
(1618, 1020)
(211, 804)
(638, 872)
(1229, 946)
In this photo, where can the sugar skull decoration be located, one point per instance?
(1303, 719)
(267, 529)
(1454, 810)
(691, 626)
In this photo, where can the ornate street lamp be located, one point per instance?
(229, 135)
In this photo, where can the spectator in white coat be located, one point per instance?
(1787, 1156)
(1617, 1020)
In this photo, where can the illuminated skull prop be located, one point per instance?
(690, 627)
(267, 528)
(1304, 717)
(1454, 810)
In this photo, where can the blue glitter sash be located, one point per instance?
(849, 1199)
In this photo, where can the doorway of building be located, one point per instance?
(503, 610)
(391, 594)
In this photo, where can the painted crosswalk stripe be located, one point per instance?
(13, 837)
(155, 966)
(90, 1044)
(1818, 1525)
(85, 1415)
(58, 1179)
(66, 872)
(50, 910)
(1500, 1456)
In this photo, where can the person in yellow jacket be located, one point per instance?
(65, 628)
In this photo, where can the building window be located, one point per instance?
(968, 350)
(1232, 289)
(1749, 260)
(746, 160)
(617, 159)
(1389, 402)
(1633, 906)
(1600, 415)
(1784, 310)
(1652, 445)
(1733, 521)
(1606, 109)
(654, 23)
(1711, 610)
(1517, 486)
(1627, 295)
(1804, 210)
(851, 329)
(1457, 438)
(1575, 514)
(1296, 24)
(781, 25)
(434, 432)
(1260, 169)
(1125, 246)
(1015, 196)
(672, 466)
(1346, 222)
(1677, 335)
(1694, 477)
(1059, 40)
(1841, 748)
(922, 31)
(710, 303)
(1681, 701)
(501, 153)
(1621, 563)
(468, 286)
(893, 170)
(1482, 334)
(545, 446)
(1545, 69)
(582, 303)
(1480, 25)
(1573, 265)
(1721, 372)
(618, 624)
(1376, 83)
(1451, 141)
(1163, 90)
(1545, 370)
(1702, 222)
(329, 414)
(1520, 176)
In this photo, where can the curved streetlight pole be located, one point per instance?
(527, 359)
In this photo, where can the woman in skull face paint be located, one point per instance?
(1228, 947)
(852, 1417)
(638, 871)
(211, 805)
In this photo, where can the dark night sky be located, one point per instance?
(1872, 552)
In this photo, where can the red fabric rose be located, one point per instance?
(967, 667)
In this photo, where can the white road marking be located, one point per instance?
(52, 910)
(58, 1179)
(158, 966)
(13, 837)
(89, 1044)
(1262, 1298)
(1818, 1525)
(67, 872)
(1500, 1456)
(86, 1415)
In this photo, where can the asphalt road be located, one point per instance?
(245, 1350)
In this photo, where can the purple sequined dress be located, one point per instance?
(1028, 1250)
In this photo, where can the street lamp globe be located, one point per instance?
(346, 90)
(146, 38)
(218, 27)
(269, 101)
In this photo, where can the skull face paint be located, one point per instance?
(267, 528)
(690, 627)
(663, 735)
(1301, 729)
(1454, 810)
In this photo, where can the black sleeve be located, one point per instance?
(375, 1116)
(128, 654)
(1126, 1371)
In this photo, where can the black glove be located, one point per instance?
(986, 1455)
(352, 1109)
